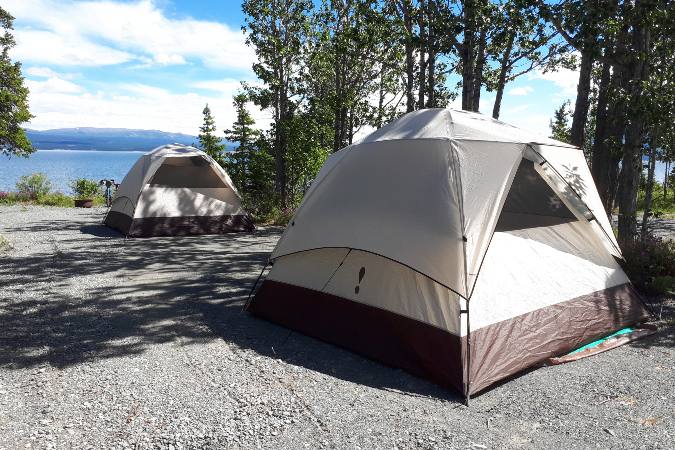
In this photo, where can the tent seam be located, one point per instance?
(372, 253)
(580, 199)
(501, 209)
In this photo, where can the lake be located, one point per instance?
(63, 166)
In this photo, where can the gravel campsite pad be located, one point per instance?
(141, 343)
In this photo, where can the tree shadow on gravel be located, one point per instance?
(96, 295)
(94, 298)
(277, 342)
(664, 310)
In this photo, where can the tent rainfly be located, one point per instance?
(454, 246)
(177, 190)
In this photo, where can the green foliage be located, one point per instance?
(664, 285)
(33, 186)
(259, 197)
(306, 154)
(662, 205)
(208, 140)
(650, 264)
(274, 216)
(8, 198)
(238, 162)
(559, 125)
(48, 199)
(278, 32)
(13, 97)
(56, 199)
(251, 164)
(85, 188)
(348, 62)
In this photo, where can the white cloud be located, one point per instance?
(50, 47)
(520, 91)
(40, 72)
(516, 109)
(51, 85)
(536, 123)
(565, 79)
(91, 33)
(226, 86)
(58, 103)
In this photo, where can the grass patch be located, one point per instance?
(5, 244)
(56, 199)
(50, 199)
(663, 206)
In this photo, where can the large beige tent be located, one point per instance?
(454, 246)
(177, 190)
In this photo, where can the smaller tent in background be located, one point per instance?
(177, 190)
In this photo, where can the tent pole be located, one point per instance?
(250, 294)
(467, 394)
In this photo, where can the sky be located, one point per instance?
(154, 64)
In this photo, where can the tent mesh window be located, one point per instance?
(194, 172)
(532, 203)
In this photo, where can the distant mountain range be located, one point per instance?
(88, 138)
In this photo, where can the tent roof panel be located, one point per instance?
(441, 123)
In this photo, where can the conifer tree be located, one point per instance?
(13, 97)
(245, 136)
(559, 125)
(208, 141)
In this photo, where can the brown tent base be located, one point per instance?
(191, 225)
(389, 338)
(609, 344)
(178, 226)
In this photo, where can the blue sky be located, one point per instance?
(154, 64)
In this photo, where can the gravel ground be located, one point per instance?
(141, 343)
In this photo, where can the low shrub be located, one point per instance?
(650, 264)
(56, 199)
(99, 200)
(272, 216)
(12, 198)
(34, 186)
(283, 216)
(49, 199)
(85, 188)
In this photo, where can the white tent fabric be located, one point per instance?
(177, 188)
(414, 173)
(388, 183)
(447, 229)
(546, 265)
(440, 123)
